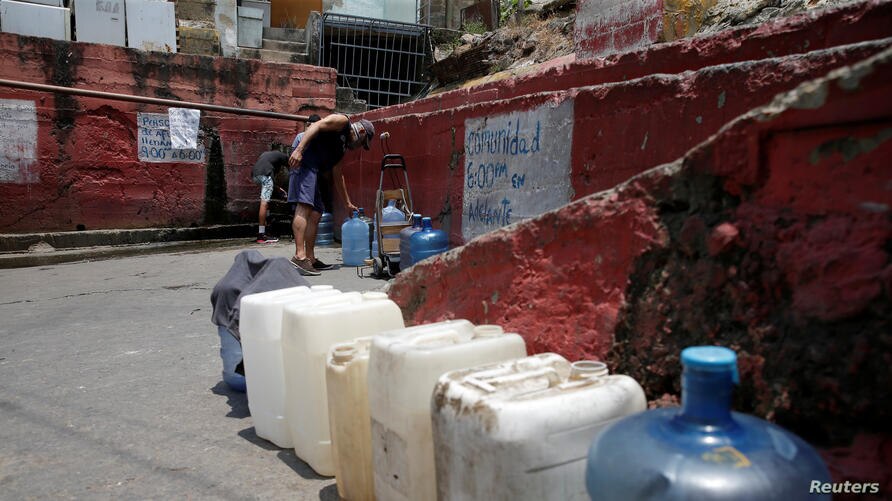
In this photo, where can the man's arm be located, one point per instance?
(341, 186)
(334, 122)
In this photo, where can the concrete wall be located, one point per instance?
(71, 161)
(623, 122)
(608, 26)
(771, 238)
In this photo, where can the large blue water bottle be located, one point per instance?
(372, 236)
(231, 353)
(702, 450)
(325, 233)
(355, 241)
(427, 242)
(405, 236)
(391, 214)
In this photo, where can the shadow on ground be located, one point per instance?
(238, 401)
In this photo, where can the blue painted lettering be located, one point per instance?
(481, 212)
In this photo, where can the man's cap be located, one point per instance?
(369, 132)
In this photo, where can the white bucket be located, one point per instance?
(307, 336)
(260, 328)
(404, 366)
(521, 430)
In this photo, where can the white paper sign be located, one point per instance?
(517, 166)
(183, 128)
(18, 141)
(154, 144)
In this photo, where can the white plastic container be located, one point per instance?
(260, 328)
(346, 379)
(307, 336)
(404, 367)
(521, 429)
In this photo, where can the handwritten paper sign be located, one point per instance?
(183, 128)
(517, 166)
(154, 143)
(18, 141)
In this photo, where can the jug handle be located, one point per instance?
(449, 335)
(490, 384)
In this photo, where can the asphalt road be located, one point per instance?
(110, 384)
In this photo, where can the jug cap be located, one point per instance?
(711, 359)
(488, 330)
(585, 369)
(343, 352)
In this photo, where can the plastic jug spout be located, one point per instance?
(710, 373)
(587, 369)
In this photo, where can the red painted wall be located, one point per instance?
(619, 129)
(87, 170)
(771, 238)
(609, 26)
(618, 107)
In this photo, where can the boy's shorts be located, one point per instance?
(266, 187)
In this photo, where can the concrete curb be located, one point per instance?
(38, 249)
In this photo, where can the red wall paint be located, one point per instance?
(88, 169)
(771, 238)
(620, 129)
(609, 26)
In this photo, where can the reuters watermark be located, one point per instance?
(818, 487)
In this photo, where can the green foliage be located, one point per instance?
(475, 27)
(508, 8)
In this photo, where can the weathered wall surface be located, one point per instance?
(616, 131)
(70, 161)
(771, 238)
(624, 121)
(609, 26)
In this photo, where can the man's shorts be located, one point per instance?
(303, 187)
(266, 186)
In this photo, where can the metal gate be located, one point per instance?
(384, 62)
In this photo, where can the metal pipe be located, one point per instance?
(149, 100)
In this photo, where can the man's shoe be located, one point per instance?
(304, 267)
(319, 265)
(263, 239)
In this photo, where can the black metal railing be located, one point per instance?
(383, 62)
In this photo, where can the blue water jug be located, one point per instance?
(231, 353)
(405, 236)
(355, 241)
(391, 214)
(325, 233)
(371, 237)
(427, 242)
(702, 450)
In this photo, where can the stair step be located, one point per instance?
(285, 46)
(274, 56)
(285, 34)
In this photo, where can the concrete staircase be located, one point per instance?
(280, 45)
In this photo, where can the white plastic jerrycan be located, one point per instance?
(260, 326)
(521, 429)
(307, 336)
(346, 378)
(404, 367)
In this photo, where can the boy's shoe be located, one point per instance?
(319, 265)
(263, 239)
(304, 267)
